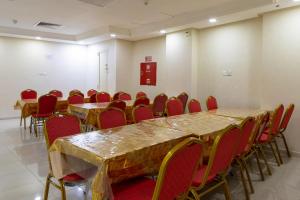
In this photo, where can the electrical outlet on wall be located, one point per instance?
(227, 72)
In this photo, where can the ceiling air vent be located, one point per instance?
(48, 25)
(100, 3)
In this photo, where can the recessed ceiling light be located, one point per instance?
(296, 0)
(163, 31)
(212, 20)
(113, 35)
(38, 38)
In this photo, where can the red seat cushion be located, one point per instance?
(36, 115)
(72, 178)
(264, 137)
(137, 189)
(199, 176)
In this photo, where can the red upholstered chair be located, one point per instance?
(141, 101)
(118, 104)
(46, 108)
(56, 93)
(211, 103)
(28, 94)
(116, 95)
(285, 121)
(91, 92)
(103, 97)
(76, 99)
(268, 135)
(55, 127)
(174, 107)
(142, 112)
(111, 117)
(174, 178)
(78, 92)
(194, 106)
(183, 98)
(220, 158)
(93, 98)
(140, 94)
(159, 104)
(124, 96)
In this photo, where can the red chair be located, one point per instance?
(183, 98)
(174, 107)
(140, 94)
(174, 178)
(103, 97)
(46, 108)
(211, 103)
(56, 93)
(215, 172)
(142, 112)
(194, 106)
(78, 92)
(116, 95)
(118, 104)
(55, 127)
(76, 99)
(93, 98)
(159, 104)
(124, 96)
(91, 92)
(28, 94)
(285, 121)
(141, 101)
(268, 135)
(111, 117)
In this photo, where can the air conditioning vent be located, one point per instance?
(100, 3)
(48, 25)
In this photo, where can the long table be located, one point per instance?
(239, 113)
(129, 151)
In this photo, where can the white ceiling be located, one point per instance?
(129, 19)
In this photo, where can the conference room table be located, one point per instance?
(125, 152)
(238, 113)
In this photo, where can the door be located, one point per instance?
(103, 71)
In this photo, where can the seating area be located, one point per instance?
(149, 100)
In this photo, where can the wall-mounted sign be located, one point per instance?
(148, 73)
(148, 58)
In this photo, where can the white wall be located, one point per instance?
(38, 65)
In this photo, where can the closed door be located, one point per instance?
(103, 71)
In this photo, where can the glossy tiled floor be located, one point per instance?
(24, 166)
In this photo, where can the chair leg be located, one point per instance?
(35, 121)
(248, 175)
(243, 180)
(259, 165)
(30, 125)
(261, 151)
(226, 190)
(63, 190)
(285, 144)
(21, 118)
(24, 123)
(278, 152)
(46, 192)
(195, 194)
(274, 153)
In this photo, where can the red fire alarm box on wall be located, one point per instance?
(148, 73)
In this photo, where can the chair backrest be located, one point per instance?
(28, 94)
(76, 99)
(46, 104)
(58, 126)
(287, 116)
(276, 119)
(140, 94)
(174, 107)
(116, 95)
(125, 96)
(117, 104)
(194, 106)
(91, 92)
(93, 98)
(159, 104)
(211, 103)
(247, 129)
(183, 98)
(177, 170)
(223, 152)
(141, 113)
(103, 97)
(141, 101)
(78, 92)
(111, 117)
(56, 93)
(264, 119)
